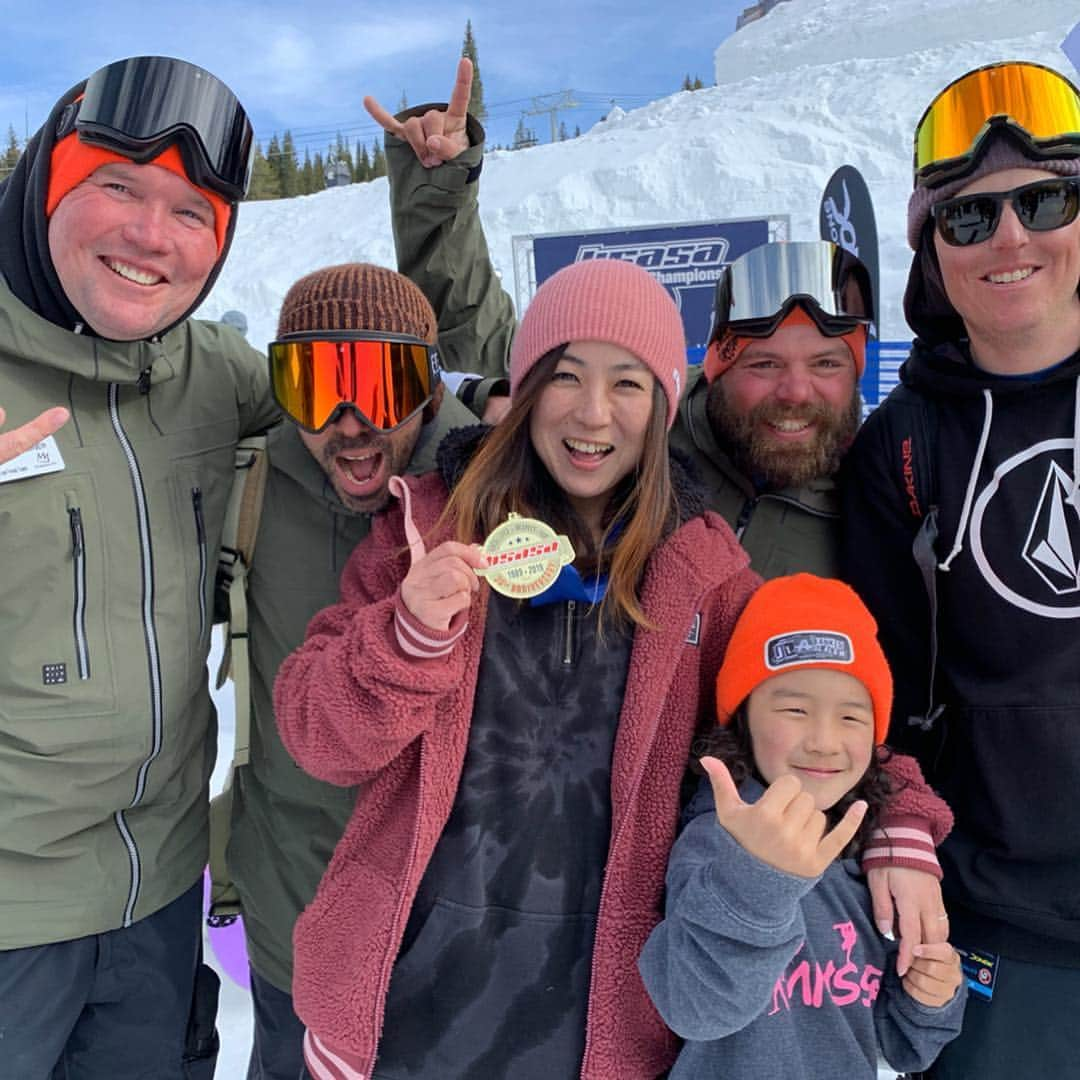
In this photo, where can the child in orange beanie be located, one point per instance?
(768, 962)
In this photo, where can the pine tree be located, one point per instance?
(307, 175)
(476, 96)
(698, 84)
(577, 131)
(523, 136)
(344, 154)
(290, 171)
(363, 165)
(11, 155)
(563, 133)
(686, 83)
(403, 104)
(318, 173)
(378, 161)
(265, 175)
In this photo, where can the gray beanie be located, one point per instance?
(1003, 153)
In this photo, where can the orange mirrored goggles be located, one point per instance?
(1034, 103)
(385, 378)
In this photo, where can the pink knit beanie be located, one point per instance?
(610, 301)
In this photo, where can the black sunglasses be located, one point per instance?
(1040, 207)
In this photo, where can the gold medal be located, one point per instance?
(524, 557)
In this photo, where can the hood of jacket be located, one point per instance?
(28, 336)
(25, 262)
(947, 370)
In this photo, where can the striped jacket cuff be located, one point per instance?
(422, 642)
(326, 1064)
(904, 842)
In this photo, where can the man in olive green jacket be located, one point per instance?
(322, 491)
(110, 527)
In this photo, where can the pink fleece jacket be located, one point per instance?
(375, 698)
(355, 707)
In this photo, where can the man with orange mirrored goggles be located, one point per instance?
(384, 378)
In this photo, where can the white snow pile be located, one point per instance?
(813, 85)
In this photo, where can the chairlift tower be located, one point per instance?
(551, 104)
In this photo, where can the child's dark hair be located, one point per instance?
(733, 746)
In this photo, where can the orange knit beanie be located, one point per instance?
(803, 621)
(73, 161)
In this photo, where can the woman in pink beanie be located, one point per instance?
(519, 761)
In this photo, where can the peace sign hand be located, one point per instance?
(783, 828)
(436, 136)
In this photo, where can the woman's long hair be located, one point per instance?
(506, 474)
(734, 747)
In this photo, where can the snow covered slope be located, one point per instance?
(815, 84)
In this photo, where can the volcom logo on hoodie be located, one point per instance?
(1054, 537)
(1025, 531)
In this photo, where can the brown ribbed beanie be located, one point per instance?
(357, 296)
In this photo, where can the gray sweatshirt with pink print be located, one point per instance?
(767, 974)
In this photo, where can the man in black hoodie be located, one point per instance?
(972, 466)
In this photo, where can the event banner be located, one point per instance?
(685, 258)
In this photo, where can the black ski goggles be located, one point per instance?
(1033, 103)
(1041, 207)
(385, 378)
(758, 290)
(141, 106)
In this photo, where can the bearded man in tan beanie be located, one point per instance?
(355, 369)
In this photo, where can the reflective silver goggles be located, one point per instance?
(759, 289)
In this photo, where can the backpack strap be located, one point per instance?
(234, 564)
(912, 427)
(251, 464)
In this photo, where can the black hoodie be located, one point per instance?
(1005, 750)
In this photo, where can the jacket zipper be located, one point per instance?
(200, 535)
(568, 647)
(78, 558)
(153, 657)
(744, 517)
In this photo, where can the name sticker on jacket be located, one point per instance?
(808, 647)
(40, 459)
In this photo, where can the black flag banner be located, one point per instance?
(847, 219)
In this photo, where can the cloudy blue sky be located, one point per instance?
(306, 64)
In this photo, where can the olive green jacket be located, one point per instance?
(789, 531)
(107, 731)
(440, 245)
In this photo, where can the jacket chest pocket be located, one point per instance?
(56, 660)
